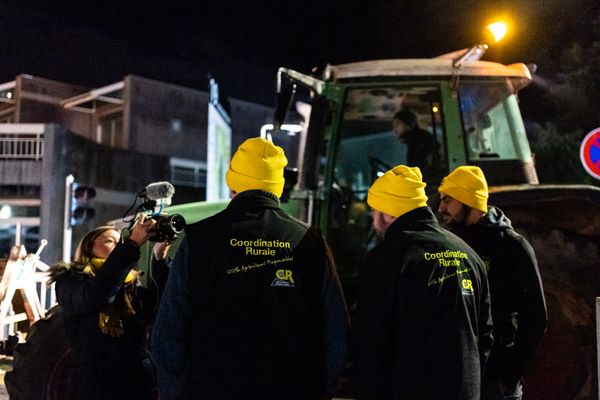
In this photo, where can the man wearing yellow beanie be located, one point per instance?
(423, 318)
(257, 165)
(253, 307)
(518, 303)
(466, 185)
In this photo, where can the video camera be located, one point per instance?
(156, 196)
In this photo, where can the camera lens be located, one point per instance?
(167, 227)
(177, 223)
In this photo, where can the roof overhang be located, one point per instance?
(87, 102)
(433, 67)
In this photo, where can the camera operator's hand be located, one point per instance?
(161, 249)
(142, 230)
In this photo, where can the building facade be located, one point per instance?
(116, 139)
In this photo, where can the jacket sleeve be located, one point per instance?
(160, 273)
(171, 329)
(531, 314)
(337, 323)
(148, 298)
(374, 315)
(81, 296)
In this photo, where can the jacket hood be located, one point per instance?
(58, 270)
(495, 219)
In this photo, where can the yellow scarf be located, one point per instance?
(110, 321)
(94, 264)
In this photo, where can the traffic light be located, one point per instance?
(81, 210)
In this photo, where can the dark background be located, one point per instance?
(242, 44)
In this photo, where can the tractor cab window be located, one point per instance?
(493, 125)
(386, 127)
(495, 138)
(380, 128)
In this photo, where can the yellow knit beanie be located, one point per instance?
(467, 184)
(398, 191)
(257, 164)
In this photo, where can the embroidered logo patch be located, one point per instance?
(283, 277)
(467, 287)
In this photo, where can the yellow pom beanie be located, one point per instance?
(467, 184)
(257, 164)
(398, 191)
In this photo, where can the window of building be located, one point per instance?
(189, 173)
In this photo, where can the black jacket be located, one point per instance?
(424, 323)
(518, 302)
(105, 367)
(253, 309)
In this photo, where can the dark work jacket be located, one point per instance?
(253, 309)
(103, 367)
(424, 319)
(518, 302)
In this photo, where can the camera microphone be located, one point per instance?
(158, 191)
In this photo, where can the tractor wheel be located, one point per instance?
(41, 364)
(565, 365)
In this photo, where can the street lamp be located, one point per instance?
(496, 31)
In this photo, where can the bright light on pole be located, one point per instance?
(5, 212)
(498, 30)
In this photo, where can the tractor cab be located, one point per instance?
(368, 117)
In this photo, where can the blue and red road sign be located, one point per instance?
(590, 153)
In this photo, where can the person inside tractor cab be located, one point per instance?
(422, 149)
(106, 313)
(518, 302)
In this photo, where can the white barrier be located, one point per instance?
(29, 275)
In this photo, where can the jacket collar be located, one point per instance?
(255, 198)
(413, 220)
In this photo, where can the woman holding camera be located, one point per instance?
(106, 312)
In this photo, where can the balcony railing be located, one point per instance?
(22, 141)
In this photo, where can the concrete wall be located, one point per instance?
(20, 172)
(166, 119)
(173, 120)
(247, 118)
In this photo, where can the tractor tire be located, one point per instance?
(41, 364)
(565, 365)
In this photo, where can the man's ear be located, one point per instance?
(473, 215)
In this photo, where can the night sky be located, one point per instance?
(241, 44)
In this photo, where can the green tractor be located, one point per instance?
(469, 108)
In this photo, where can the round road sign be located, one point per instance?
(590, 153)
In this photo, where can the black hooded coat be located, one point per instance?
(518, 302)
